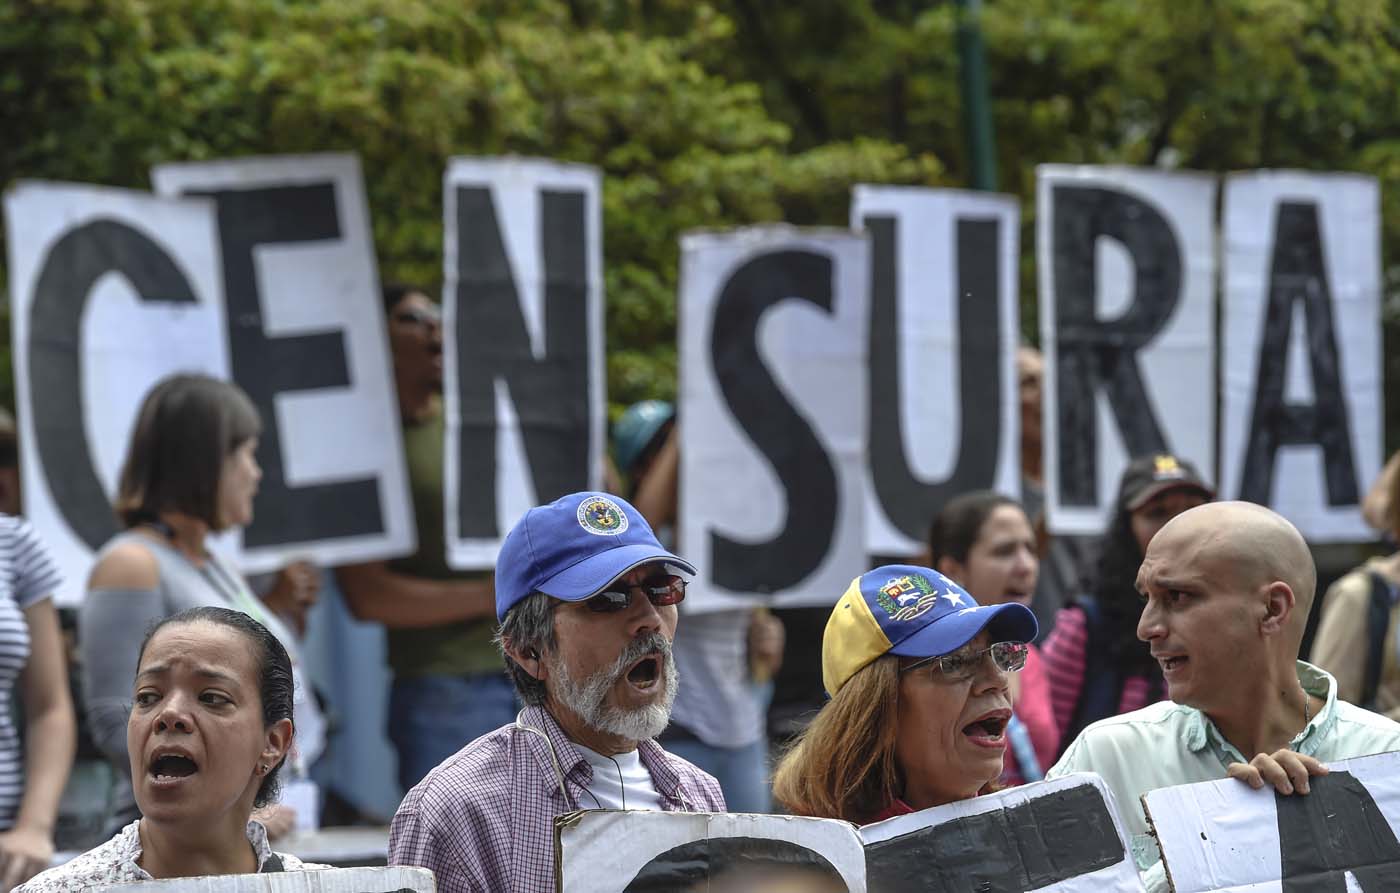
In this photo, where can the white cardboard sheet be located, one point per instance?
(86, 355)
(952, 251)
(334, 880)
(1068, 827)
(335, 435)
(772, 414)
(603, 851)
(1175, 360)
(556, 397)
(1224, 837)
(1332, 222)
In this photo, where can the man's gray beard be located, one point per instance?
(586, 698)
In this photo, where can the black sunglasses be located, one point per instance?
(664, 589)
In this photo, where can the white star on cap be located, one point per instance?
(953, 597)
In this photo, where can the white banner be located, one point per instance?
(306, 334)
(1063, 836)
(111, 291)
(1302, 403)
(524, 353)
(640, 851)
(334, 880)
(944, 321)
(1127, 267)
(1226, 837)
(772, 414)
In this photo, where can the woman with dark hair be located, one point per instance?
(984, 542)
(918, 677)
(210, 727)
(1097, 665)
(190, 472)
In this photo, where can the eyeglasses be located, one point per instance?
(1009, 657)
(666, 589)
(424, 319)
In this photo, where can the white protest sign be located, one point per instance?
(307, 342)
(944, 320)
(640, 851)
(111, 290)
(1302, 405)
(1225, 837)
(1126, 262)
(333, 880)
(1063, 835)
(772, 414)
(524, 391)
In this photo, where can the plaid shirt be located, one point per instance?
(483, 821)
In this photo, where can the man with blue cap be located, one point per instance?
(587, 601)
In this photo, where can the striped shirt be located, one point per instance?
(1064, 653)
(484, 818)
(27, 577)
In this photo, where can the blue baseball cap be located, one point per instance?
(913, 612)
(574, 547)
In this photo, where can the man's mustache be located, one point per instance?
(651, 643)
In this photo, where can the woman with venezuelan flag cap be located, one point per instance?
(918, 675)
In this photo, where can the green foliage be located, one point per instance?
(106, 88)
(700, 112)
(1211, 85)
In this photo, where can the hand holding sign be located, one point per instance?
(1286, 770)
(1222, 835)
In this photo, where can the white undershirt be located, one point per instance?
(619, 782)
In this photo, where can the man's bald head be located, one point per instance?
(1258, 546)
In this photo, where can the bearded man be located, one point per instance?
(587, 601)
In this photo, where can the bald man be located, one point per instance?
(1226, 589)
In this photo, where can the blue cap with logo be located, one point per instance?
(913, 612)
(574, 547)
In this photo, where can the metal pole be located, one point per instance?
(976, 98)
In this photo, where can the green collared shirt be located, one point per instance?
(1169, 744)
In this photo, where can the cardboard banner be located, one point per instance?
(1127, 266)
(523, 305)
(1063, 836)
(1223, 836)
(1302, 403)
(306, 334)
(333, 880)
(772, 414)
(944, 321)
(111, 291)
(640, 851)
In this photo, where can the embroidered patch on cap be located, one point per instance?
(1166, 468)
(907, 597)
(601, 516)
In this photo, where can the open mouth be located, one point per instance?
(645, 672)
(1170, 664)
(172, 766)
(989, 730)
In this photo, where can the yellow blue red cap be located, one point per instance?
(912, 612)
